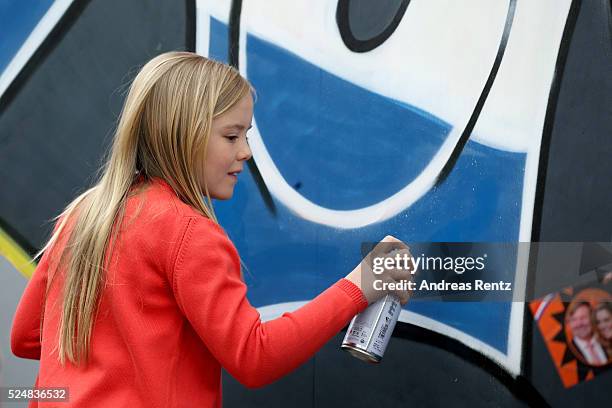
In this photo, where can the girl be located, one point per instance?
(138, 299)
(602, 322)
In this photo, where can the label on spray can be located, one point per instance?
(368, 334)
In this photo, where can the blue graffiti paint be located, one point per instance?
(291, 259)
(218, 44)
(367, 146)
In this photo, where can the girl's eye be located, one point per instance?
(232, 138)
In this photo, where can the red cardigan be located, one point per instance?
(173, 311)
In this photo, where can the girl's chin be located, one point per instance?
(220, 197)
(226, 195)
(224, 198)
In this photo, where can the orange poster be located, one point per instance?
(576, 324)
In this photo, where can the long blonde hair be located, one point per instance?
(163, 132)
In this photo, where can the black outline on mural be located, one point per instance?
(234, 33)
(520, 387)
(467, 132)
(352, 43)
(538, 206)
(190, 25)
(232, 57)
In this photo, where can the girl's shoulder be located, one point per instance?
(158, 203)
(158, 223)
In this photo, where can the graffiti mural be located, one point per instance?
(432, 134)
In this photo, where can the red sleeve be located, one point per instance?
(209, 289)
(25, 333)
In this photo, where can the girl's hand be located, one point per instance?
(390, 262)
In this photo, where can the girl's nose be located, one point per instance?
(245, 152)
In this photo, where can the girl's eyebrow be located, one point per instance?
(237, 127)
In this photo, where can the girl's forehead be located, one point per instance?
(239, 115)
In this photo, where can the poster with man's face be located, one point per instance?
(576, 324)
